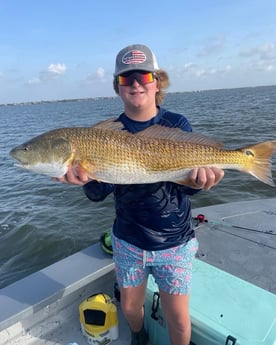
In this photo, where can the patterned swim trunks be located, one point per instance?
(171, 268)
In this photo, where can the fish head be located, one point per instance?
(49, 154)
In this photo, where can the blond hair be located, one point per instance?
(162, 83)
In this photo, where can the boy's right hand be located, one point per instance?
(76, 176)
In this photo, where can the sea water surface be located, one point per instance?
(42, 221)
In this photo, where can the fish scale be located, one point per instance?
(108, 153)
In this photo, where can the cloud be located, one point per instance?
(56, 69)
(53, 72)
(262, 58)
(194, 70)
(190, 66)
(98, 76)
(34, 81)
(101, 73)
(202, 73)
(263, 52)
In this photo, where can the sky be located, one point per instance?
(56, 50)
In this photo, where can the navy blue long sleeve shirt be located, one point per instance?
(152, 216)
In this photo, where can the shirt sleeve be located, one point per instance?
(97, 191)
(188, 190)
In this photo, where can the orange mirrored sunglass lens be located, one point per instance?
(142, 78)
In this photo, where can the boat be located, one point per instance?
(233, 299)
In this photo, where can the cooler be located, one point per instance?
(224, 309)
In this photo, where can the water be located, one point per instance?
(42, 221)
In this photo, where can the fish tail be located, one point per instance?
(260, 160)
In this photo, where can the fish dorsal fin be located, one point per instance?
(110, 124)
(161, 132)
(177, 134)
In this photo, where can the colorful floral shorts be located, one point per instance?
(171, 268)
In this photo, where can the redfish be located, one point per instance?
(108, 153)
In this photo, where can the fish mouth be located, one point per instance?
(19, 162)
(15, 154)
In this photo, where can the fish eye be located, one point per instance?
(249, 153)
(26, 148)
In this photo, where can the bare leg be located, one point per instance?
(132, 301)
(176, 312)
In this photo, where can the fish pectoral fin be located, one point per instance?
(86, 167)
(177, 134)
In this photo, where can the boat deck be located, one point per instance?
(42, 308)
(240, 238)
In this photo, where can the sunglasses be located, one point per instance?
(127, 79)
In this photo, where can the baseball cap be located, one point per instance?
(135, 57)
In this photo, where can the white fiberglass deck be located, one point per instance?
(238, 238)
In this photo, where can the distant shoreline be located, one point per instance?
(111, 97)
(57, 101)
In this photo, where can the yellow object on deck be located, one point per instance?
(99, 320)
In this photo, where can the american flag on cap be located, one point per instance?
(134, 57)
